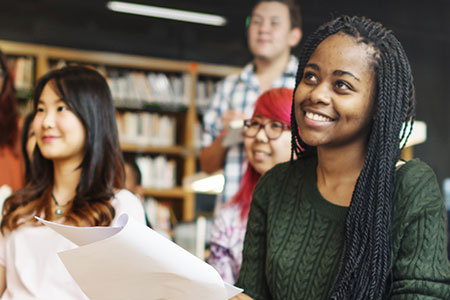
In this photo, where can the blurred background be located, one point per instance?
(423, 27)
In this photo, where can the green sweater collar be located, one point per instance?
(317, 201)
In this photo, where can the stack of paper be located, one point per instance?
(134, 262)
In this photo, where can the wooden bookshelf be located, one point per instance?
(175, 150)
(44, 54)
(176, 192)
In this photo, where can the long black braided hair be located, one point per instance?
(366, 260)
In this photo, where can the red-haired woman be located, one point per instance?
(267, 142)
(11, 171)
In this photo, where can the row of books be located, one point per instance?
(205, 90)
(197, 136)
(22, 69)
(159, 214)
(157, 172)
(194, 237)
(146, 129)
(133, 87)
(129, 87)
(142, 87)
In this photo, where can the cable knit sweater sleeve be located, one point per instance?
(421, 269)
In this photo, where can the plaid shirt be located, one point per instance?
(238, 92)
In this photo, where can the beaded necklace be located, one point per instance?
(59, 209)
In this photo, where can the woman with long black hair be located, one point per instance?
(76, 179)
(348, 219)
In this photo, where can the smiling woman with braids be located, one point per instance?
(347, 220)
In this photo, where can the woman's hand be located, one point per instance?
(3, 280)
(231, 116)
(242, 296)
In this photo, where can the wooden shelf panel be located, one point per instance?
(217, 70)
(176, 192)
(177, 150)
(150, 107)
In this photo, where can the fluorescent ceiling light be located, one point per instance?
(166, 13)
(212, 184)
(205, 183)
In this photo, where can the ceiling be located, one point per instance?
(88, 24)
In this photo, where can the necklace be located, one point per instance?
(59, 209)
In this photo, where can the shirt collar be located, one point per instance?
(292, 66)
(248, 72)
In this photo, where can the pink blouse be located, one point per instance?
(33, 268)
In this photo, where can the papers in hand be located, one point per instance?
(132, 261)
(235, 134)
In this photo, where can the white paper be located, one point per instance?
(235, 134)
(132, 261)
(233, 137)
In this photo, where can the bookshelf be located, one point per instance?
(183, 112)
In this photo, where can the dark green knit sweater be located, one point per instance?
(295, 237)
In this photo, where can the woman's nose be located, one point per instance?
(321, 94)
(48, 120)
(261, 135)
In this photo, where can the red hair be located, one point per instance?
(274, 104)
(9, 114)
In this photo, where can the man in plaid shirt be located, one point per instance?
(274, 28)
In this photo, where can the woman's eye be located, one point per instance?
(276, 125)
(309, 77)
(40, 109)
(254, 124)
(342, 85)
(62, 108)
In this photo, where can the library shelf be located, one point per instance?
(174, 150)
(176, 192)
(184, 110)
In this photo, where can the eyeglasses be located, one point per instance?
(273, 129)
